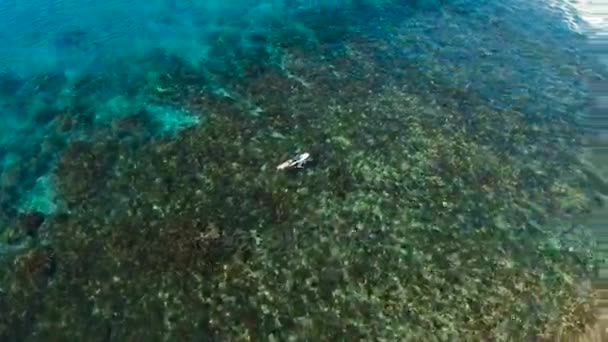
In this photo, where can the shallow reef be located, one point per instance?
(434, 207)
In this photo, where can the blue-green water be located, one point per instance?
(141, 198)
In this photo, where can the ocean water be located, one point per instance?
(294, 170)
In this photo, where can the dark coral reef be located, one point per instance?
(429, 212)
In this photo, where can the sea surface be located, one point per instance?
(293, 170)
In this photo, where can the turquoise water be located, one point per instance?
(141, 198)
